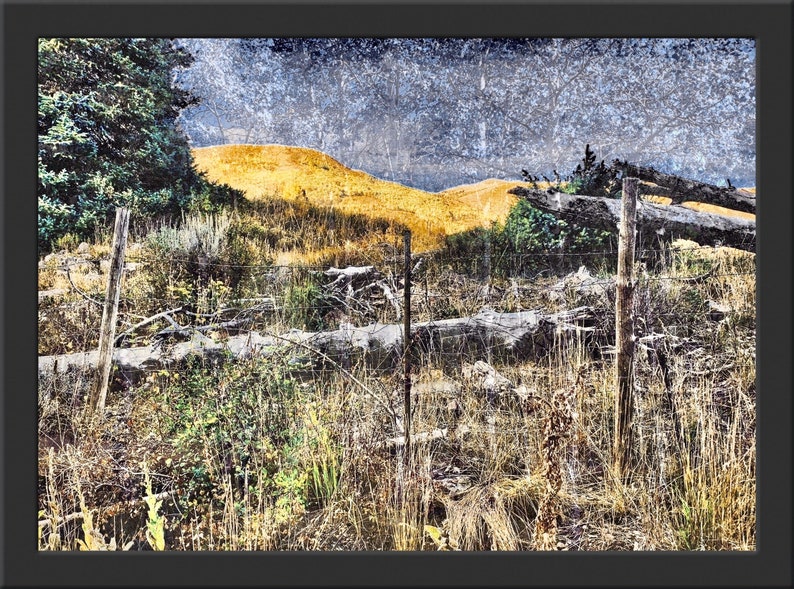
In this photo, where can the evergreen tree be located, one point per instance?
(107, 134)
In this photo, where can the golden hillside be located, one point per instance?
(702, 206)
(490, 197)
(295, 174)
(310, 178)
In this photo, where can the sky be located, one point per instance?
(434, 113)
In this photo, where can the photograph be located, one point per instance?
(393, 295)
(396, 294)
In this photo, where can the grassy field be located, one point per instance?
(304, 177)
(269, 454)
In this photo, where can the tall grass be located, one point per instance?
(278, 453)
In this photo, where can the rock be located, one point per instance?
(83, 248)
(54, 292)
(717, 311)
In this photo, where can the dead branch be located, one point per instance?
(681, 189)
(146, 321)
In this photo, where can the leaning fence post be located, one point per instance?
(110, 312)
(624, 331)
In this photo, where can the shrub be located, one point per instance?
(245, 438)
(199, 263)
(304, 306)
(593, 179)
(530, 241)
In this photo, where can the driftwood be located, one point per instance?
(524, 334)
(665, 221)
(681, 189)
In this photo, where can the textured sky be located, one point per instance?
(433, 113)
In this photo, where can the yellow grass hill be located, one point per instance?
(304, 179)
(299, 174)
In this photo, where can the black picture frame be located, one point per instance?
(770, 23)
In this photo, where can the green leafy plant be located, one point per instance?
(155, 523)
(304, 306)
(241, 430)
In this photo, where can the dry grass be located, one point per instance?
(309, 470)
(299, 175)
(266, 455)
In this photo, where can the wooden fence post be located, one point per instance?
(110, 312)
(407, 346)
(624, 328)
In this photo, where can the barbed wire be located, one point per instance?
(435, 256)
(273, 306)
(415, 290)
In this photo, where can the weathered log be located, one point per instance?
(681, 189)
(664, 221)
(379, 346)
(342, 274)
(422, 437)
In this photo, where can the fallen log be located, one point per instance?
(681, 189)
(665, 222)
(423, 437)
(379, 346)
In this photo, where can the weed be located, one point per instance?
(155, 523)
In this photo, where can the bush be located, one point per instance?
(200, 263)
(231, 421)
(593, 179)
(305, 307)
(530, 241)
(246, 435)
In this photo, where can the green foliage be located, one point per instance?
(234, 422)
(305, 306)
(107, 135)
(529, 241)
(201, 262)
(55, 219)
(531, 229)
